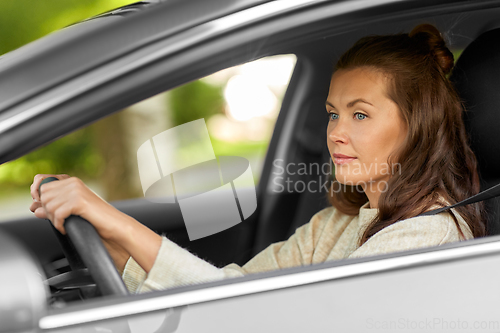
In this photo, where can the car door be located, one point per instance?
(420, 290)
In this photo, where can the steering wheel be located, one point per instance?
(83, 247)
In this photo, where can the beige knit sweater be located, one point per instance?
(330, 235)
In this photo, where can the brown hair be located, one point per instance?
(438, 162)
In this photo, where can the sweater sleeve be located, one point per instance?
(133, 275)
(417, 232)
(175, 266)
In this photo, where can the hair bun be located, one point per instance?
(430, 36)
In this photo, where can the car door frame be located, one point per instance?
(237, 300)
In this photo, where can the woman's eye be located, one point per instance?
(333, 116)
(360, 116)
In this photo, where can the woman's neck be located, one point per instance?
(373, 194)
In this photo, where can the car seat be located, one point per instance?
(476, 76)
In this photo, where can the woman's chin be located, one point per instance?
(350, 180)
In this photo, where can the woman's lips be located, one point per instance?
(342, 159)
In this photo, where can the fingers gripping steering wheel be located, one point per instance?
(83, 247)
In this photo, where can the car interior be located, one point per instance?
(476, 76)
(300, 137)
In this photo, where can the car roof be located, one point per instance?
(90, 43)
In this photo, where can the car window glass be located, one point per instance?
(238, 107)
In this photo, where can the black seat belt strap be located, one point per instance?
(492, 192)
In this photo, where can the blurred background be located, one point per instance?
(240, 106)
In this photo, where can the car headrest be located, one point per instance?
(476, 76)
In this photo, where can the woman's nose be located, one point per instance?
(338, 133)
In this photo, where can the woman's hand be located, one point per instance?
(70, 196)
(34, 190)
(121, 234)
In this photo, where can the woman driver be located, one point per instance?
(390, 107)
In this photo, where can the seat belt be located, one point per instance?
(492, 192)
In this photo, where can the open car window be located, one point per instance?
(189, 156)
(237, 107)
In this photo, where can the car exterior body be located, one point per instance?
(87, 71)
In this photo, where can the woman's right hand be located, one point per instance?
(115, 250)
(34, 189)
(122, 235)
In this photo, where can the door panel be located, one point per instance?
(438, 297)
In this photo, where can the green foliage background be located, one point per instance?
(94, 154)
(23, 21)
(209, 101)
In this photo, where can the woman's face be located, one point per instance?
(364, 128)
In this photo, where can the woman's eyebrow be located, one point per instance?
(359, 100)
(351, 104)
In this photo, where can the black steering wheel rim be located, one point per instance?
(83, 239)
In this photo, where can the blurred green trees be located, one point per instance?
(100, 154)
(97, 153)
(75, 154)
(209, 101)
(22, 21)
